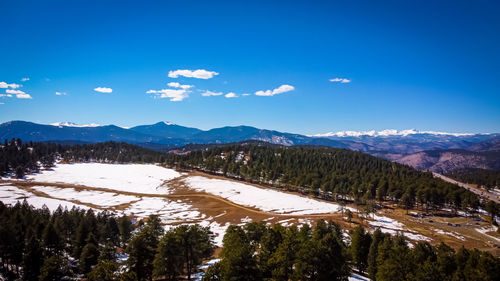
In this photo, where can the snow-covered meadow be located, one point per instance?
(267, 200)
(141, 190)
(99, 198)
(138, 178)
(10, 195)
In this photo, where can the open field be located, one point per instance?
(194, 197)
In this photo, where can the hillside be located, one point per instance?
(446, 161)
(434, 151)
(164, 135)
(331, 173)
(487, 178)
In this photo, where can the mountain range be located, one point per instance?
(435, 151)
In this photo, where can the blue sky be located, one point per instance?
(427, 65)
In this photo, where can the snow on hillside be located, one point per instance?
(264, 199)
(10, 195)
(139, 178)
(71, 124)
(386, 133)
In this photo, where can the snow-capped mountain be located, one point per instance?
(388, 132)
(390, 144)
(71, 124)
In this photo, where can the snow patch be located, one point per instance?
(264, 199)
(10, 195)
(138, 178)
(99, 198)
(388, 132)
(71, 124)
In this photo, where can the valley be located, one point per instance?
(181, 197)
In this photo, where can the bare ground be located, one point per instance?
(224, 211)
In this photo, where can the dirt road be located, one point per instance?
(479, 192)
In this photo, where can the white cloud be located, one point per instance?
(60, 93)
(23, 96)
(103, 90)
(6, 95)
(25, 79)
(281, 89)
(230, 95)
(245, 95)
(4, 85)
(210, 93)
(2, 103)
(173, 95)
(341, 80)
(178, 85)
(19, 94)
(14, 92)
(199, 73)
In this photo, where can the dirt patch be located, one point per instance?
(223, 211)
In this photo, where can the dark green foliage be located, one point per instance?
(213, 273)
(238, 260)
(283, 254)
(37, 244)
(182, 249)
(105, 270)
(51, 240)
(283, 259)
(125, 228)
(90, 254)
(142, 248)
(33, 259)
(486, 178)
(169, 261)
(328, 173)
(18, 158)
(321, 254)
(54, 268)
(493, 209)
(360, 247)
(377, 238)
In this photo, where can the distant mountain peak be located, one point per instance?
(71, 124)
(388, 132)
(168, 123)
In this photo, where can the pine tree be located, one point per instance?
(492, 209)
(125, 228)
(54, 268)
(105, 270)
(284, 258)
(238, 262)
(90, 254)
(51, 240)
(360, 247)
(32, 260)
(377, 238)
(169, 259)
(141, 250)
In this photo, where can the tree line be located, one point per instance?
(36, 244)
(330, 173)
(333, 174)
(19, 158)
(256, 252)
(484, 178)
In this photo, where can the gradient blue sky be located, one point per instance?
(428, 65)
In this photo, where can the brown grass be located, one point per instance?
(224, 211)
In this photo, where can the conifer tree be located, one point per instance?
(360, 247)
(90, 254)
(33, 259)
